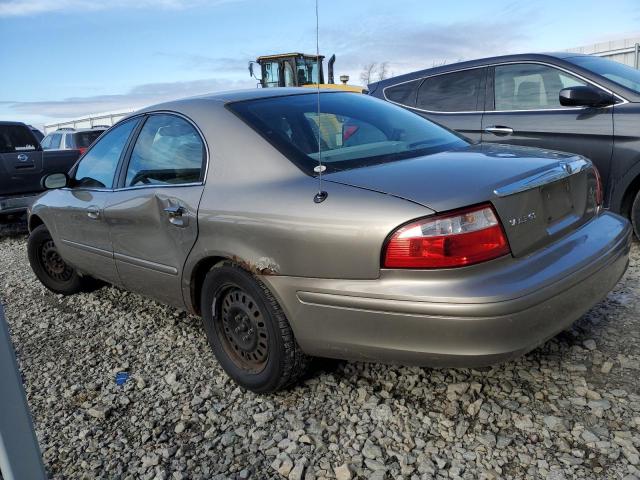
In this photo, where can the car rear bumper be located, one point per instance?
(471, 316)
(17, 204)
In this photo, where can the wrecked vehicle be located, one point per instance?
(364, 232)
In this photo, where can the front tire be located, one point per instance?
(52, 271)
(248, 331)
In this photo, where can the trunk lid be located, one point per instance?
(539, 195)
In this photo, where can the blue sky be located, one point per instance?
(66, 58)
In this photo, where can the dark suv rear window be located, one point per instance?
(84, 139)
(403, 93)
(352, 130)
(16, 138)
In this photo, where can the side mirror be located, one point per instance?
(585, 96)
(55, 180)
(251, 69)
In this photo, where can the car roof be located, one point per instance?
(479, 62)
(5, 122)
(230, 96)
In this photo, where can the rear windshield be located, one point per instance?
(16, 138)
(84, 139)
(352, 130)
(616, 72)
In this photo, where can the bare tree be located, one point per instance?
(374, 72)
(383, 71)
(366, 76)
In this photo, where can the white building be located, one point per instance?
(625, 51)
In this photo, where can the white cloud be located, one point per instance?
(14, 8)
(40, 112)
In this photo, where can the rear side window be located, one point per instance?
(97, 168)
(16, 138)
(529, 86)
(68, 141)
(169, 151)
(403, 93)
(451, 92)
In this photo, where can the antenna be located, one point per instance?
(321, 196)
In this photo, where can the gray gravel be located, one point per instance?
(570, 409)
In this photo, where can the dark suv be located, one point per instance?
(71, 139)
(560, 101)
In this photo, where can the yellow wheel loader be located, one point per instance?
(298, 70)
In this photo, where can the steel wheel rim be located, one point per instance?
(242, 329)
(53, 264)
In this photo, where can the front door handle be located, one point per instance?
(499, 130)
(93, 213)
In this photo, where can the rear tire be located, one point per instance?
(248, 331)
(52, 271)
(635, 215)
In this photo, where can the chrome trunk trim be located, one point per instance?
(562, 170)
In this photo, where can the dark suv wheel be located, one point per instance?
(49, 267)
(248, 331)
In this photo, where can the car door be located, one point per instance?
(523, 108)
(78, 211)
(454, 100)
(153, 213)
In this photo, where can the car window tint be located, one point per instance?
(16, 138)
(452, 92)
(168, 151)
(98, 167)
(404, 93)
(530, 86)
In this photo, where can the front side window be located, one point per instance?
(98, 167)
(56, 139)
(451, 92)
(271, 74)
(529, 86)
(168, 151)
(352, 130)
(615, 71)
(46, 142)
(16, 138)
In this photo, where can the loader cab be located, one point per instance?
(289, 70)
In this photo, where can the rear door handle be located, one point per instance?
(174, 211)
(499, 130)
(177, 215)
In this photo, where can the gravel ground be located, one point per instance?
(570, 409)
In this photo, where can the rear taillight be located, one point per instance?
(82, 150)
(455, 239)
(599, 192)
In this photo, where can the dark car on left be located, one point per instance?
(23, 163)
